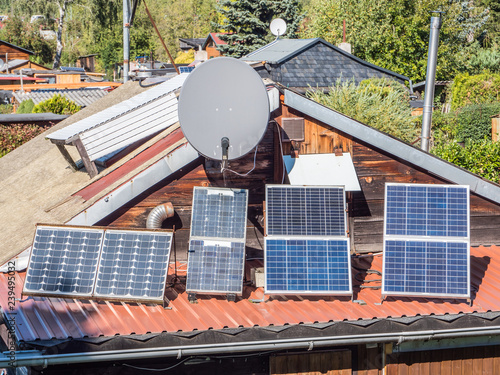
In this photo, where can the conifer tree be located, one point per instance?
(245, 23)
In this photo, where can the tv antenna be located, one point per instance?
(223, 109)
(278, 27)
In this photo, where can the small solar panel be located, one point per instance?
(312, 265)
(186, 69)
(305, 210)
(219, 213)
(215, 266)
(426, 268)
(133, 265)
(63, 261)
(426, 240)
(217, 242)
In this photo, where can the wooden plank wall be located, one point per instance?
(374, 168)
(464, 361)
(12, 52)
(179, 191)
(328, 362)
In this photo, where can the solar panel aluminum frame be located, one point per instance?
(309, 292)
(28, 292)
(426, 238)
(345, 223)
(122, 298)
(219, 239)
(92, 296)
(418, 294)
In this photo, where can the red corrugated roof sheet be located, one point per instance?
(216, 39)
(47, 318)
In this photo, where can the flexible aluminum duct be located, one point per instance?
(159, 214)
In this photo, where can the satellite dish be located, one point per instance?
(278, 27)
(223, 108)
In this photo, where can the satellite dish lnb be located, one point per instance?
(223, 109)
(278, 27)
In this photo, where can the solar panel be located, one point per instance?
(215, 266)
(63, 261)
(219, 213)
(426, 240)
(133, 265)
(84, 262)
(312, 265)
(305, 210)
(217, 242)
(306, 249)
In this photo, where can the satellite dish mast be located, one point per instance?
(278, 27)
(223, 109)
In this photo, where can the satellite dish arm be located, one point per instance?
(224, 143)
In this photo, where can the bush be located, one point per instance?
(58, 104)
(379, 103)
(26, 106)
(185, 57)
(481, 88)
(482, 158)
(474, 122)
(6, 109)
(12, 136)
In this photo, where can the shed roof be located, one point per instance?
(281, 50)
(215, 38)
(17, 47)
(82, 97)
(42, 318)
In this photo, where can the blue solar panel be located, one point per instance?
(219, 213)
(133, 265)
(215, 266)
(426, 240)
(63, 261)
(426, 267)
(305, 211)
(313, 266)
(427, 210)
(186, 69)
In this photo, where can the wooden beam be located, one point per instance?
(67, 157)
(89, 164)
(60, 86)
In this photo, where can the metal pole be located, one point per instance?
(429, 81)
(126, 39)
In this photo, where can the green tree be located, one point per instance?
(394, 34)
(246, 23)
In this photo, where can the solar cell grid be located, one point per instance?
(426, 240)
(219, 213)
(314, 265)
(305, 211)
(215, 266)
(133, 265)
(63, 261)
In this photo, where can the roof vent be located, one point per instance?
(293, 129)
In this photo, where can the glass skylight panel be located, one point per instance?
(426, 240)
(306, 248)
(63, 261)
(217, 241)
(133, 265)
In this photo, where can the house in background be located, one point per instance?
(86, 62)
(302, 64)
(15, 57)
(364, 333)
(210, 45)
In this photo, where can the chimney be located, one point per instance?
(344, 45)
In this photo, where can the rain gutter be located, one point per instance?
(36, 358)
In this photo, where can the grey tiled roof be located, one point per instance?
(82, 97)
(315, 63)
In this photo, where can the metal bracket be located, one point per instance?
(231, 297)
(192, 298)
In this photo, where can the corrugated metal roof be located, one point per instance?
(82, 97)
(119, 109)
(58, 318)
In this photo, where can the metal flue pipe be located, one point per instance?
(126, 39)
(429, 81)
